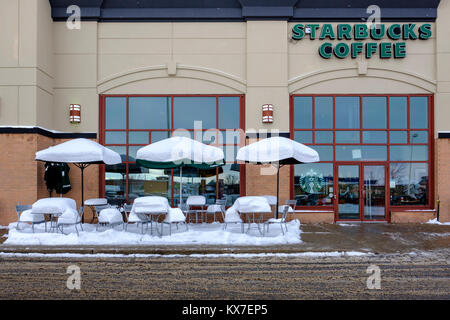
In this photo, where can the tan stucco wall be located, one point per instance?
(26, 63)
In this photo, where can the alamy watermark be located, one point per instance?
(74, 20)
(74, 280)
(373, 282)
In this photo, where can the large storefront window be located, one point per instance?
(131, 122)
(364, 134)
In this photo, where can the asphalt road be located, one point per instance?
(425, 275)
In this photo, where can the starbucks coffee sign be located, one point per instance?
(396, 48)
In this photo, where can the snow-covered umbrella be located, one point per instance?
(179, 152)
(82, 153)
(280, 151)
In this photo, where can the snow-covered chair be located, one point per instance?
(281, 221)
(290, 204)
(232, 216)
(70, 217)
(24, 215)
(174, 216)
(110, 217)
(192, 202)
(96, 206)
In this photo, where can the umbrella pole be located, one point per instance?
(181, 185)
(278, 189)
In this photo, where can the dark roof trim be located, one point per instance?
(242, 10)
(257, 135)
(47, 133)
(444, 135)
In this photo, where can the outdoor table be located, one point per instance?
(254, 217)
(53, 208)
(150, 208)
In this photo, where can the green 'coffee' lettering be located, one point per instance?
(327, 32)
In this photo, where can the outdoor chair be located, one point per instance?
(24, 215)
(110, 217)
(126, 210)
(174, 216)
(281, 221)
(96, 210)
(219, 207)
(291, 204)
(70, 217)
(192, 202)
(232, 216)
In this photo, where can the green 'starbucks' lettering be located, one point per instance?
(327, 31)
(394, 32)
(361, 32)
(385, 50)
(297, 32)
(341, 50)
(399, 50)
(378, 32)
(325, 50)
(357, 48)
(425, 31)
(408, 32)
(314, 28)
(371, 48)
(344, 31)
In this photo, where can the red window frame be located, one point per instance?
(430, 144)
(102, 130)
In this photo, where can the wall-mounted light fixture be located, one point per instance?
(75, 113)
(267, 113)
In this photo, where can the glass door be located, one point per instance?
(374, 192)
(348, 192)
(361, 192)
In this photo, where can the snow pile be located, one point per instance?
(435, 221)
(201, 234)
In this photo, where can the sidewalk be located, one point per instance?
(374, 238)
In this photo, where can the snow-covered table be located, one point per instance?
(149, 209)
(53, 207)
(254, 208)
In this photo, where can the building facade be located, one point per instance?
(372, 101)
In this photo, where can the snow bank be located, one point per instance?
(434, 221)
(202, 234)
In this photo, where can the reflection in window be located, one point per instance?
(418, 112)
(195, 182)
(115, 182)
(149, 112)
(189, 109)
(303, 112)
(115, 113)
(313, 184)
(323, 112)
(229, 183)
(398, 107)
(148, 182)
(409, 184)
(347, 113)
(229, 112)
(374, 112)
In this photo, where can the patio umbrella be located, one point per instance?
(279, 150)
(180, 152)
(82, 153)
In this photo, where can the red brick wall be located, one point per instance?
(22, 178)
(442, 170)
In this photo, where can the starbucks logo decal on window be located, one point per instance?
(311, 181)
